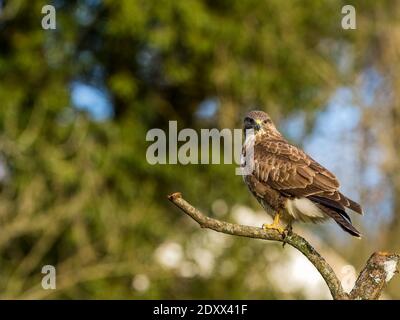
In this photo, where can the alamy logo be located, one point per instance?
(49, 20)
(188, 147)
(49, 280)
(349, 20)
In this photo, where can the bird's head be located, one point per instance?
(259, 121)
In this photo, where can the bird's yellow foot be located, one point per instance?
(274, 225)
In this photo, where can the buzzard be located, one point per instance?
(288, 183)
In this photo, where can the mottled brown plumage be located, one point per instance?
(286, 180)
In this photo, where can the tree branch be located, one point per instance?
(382, 266)
(380, 269)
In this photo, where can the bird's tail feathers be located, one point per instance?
(352, 205)
(341, 220)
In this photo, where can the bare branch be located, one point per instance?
(379, 264)
(380, 269)
(252, 232)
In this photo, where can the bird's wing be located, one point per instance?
(292, 172)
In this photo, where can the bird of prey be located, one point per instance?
(288, 183)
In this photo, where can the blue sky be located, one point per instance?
(93, 100)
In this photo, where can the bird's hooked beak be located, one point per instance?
(251, 123)
(258, 124)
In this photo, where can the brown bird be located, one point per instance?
(288, 183)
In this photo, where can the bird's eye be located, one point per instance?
(266, 121)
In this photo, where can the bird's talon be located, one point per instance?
(273, 227)
(285, 234)
(288, 230)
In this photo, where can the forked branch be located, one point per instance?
(379, 270)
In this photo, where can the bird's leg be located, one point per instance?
(275, 224)
(289, 229)
(287, 232)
